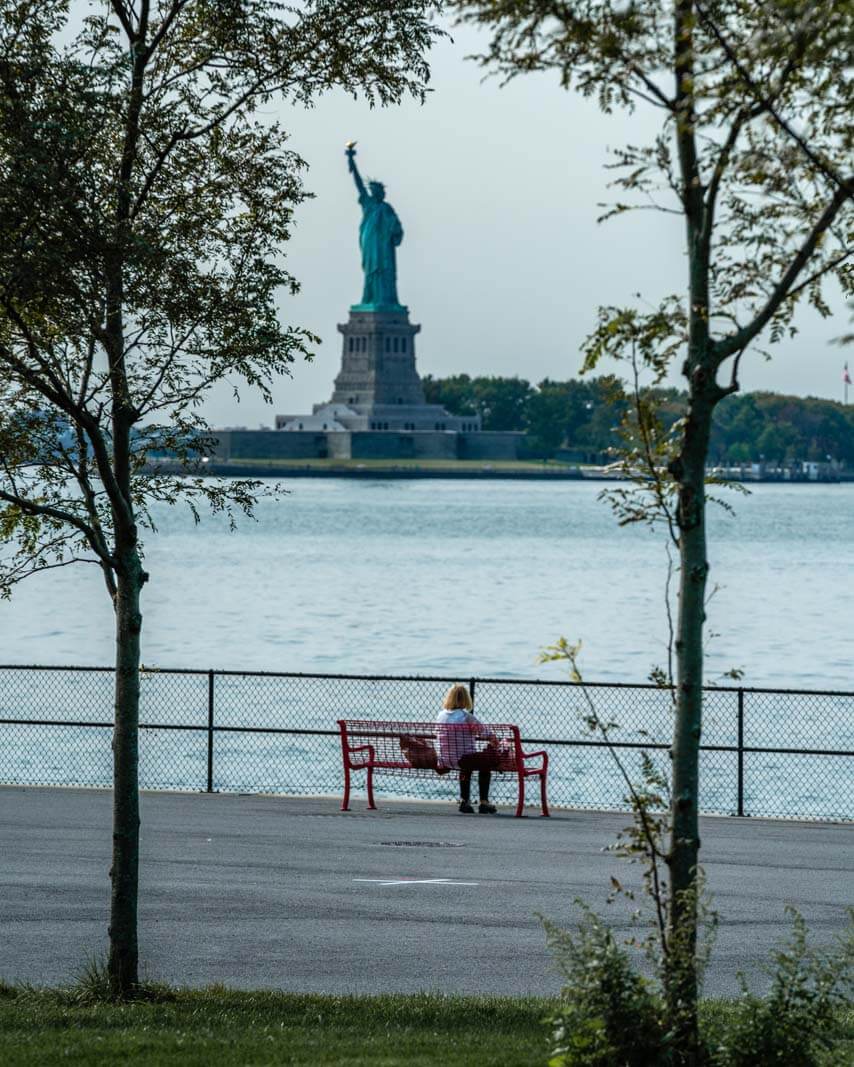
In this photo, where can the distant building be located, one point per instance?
(378, 387)
(377, 409)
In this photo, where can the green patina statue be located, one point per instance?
(380, 233)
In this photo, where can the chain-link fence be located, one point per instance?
(780, 753)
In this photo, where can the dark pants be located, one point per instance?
(483, 763)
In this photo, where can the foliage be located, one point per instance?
(793, 1024)
(92, 983)
(499, 401)
(228, 1027)
(145, 196)
(609, 1013)
(578, 413)
(781, 429)
(92, 986)
(585, 415)
(645, 842)
(752, 152)
(744, 72)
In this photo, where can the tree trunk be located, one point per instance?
(124, 952)
(685, 838)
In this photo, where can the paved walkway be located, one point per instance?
(291, 893)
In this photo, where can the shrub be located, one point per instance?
(797, 1021)
(610, 1015)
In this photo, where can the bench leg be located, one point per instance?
(543, 800)
(371, 803)
(520, 804)
(345, 803)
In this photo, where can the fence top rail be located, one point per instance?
(363, 731)
(449, 679)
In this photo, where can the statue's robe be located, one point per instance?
(380, 233)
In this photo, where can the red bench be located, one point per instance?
(411, 749)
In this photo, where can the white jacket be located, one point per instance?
(454, 741)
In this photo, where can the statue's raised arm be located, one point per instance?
(354, 170)
(380, 233)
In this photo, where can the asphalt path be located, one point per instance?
(274, 892)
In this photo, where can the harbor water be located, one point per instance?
(455, 578)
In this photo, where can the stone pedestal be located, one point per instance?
(378, 361)
(378, 388)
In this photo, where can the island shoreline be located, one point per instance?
(486, 472)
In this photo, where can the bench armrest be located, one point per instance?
(544, 756)
(361, 748)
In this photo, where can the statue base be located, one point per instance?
(382, 309)
(378, 389)
(378, 358)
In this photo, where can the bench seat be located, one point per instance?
(413, 749)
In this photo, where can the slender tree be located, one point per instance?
(754, 153)
(144, 201)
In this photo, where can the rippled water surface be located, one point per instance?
(464, 577)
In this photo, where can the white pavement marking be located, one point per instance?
(414, 881)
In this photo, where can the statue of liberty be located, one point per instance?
(380, 233)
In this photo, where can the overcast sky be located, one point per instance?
(502, 263)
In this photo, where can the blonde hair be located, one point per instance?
(457, 697)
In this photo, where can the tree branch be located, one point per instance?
(59, 515)
(717, 176)
(661, 99)
(123, 15)
(53, 392)
(176, 9)
(20, 573)
(764, 101)
(783, 289)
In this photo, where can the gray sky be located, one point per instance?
(502, 263)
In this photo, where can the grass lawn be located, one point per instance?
(232, 1029)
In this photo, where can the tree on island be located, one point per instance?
(500, 402)
(552, 413)
(144, 198)
(753, 152)
(583, 414)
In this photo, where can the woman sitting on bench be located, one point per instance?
(458, 748)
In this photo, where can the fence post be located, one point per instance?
(740, 809)
(210, 729)
(471, 690)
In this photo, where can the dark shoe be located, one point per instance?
(485, 808)
(466, 808)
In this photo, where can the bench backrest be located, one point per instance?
(422, 744)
